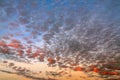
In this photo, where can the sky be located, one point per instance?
(33, 19)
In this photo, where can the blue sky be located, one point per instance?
(38, 17)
